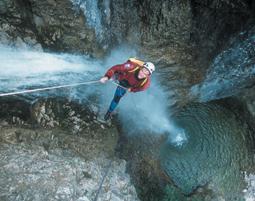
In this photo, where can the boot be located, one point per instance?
(107, 116)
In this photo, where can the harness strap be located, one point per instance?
(135, 69)
(137, 61)
(143, 83)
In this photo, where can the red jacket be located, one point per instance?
(128, 72)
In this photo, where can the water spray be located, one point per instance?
(146, 111)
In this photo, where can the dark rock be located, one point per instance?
(53, 24)
(232, 71)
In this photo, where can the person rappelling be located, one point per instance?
(132, 76)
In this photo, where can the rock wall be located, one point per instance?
(186, 31)
(232, 71)
(32, 172)
(41, 160)
(54, 25)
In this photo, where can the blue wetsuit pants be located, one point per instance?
(119, 93)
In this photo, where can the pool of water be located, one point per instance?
(217, 152)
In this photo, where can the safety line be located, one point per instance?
(102, 181)
(48, 88)
(65, 86)
(57, 87)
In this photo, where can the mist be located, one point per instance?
(141, 112)
(146, 111)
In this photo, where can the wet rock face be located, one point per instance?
(70, 117)
(214, 22)
(181, 29)
(54, 113)
(248, 97)
(30, 172)
(232, 71)
(141, 151)
(60, 27)
(59, 151)
(14, 111)
(53, 24)
(15, 24)
(185, 31)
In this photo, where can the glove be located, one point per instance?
(104, 79)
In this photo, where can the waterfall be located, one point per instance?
(140, 112)
(95, 16)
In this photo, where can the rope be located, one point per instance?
(65, 86)
(57, 87)
(48, 88)
(110, 162)
(115, 83)
(102, 181)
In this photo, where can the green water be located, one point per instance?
(218, 150)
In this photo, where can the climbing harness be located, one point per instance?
(115, 83)
(135, 69)
(137, 61)
(139, 66)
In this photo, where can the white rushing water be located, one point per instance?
(92, 14)
(139, 112)
(25, 68)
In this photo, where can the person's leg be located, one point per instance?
(119, 93)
